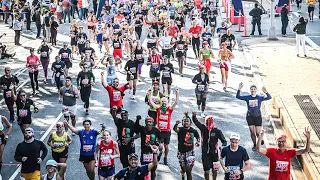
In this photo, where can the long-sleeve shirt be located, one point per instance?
(253, 103)
(32, 152)
(210, 137)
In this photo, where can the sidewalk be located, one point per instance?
(294, 84)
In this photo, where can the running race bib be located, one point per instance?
(88, 51)
(44, 54)
(216, 166)
(167, 46)
(133, 70)
(105, 159)
(166, 74)
(201, 87)
(116, 45)
(190, 160)
(8, 94)
(23, 112)
(65, 55)
(81, 40)
(180, 46)
(139, 56)
(195, 35)
(213, 23)
(282, 166)
(85, 81)
(87, 148)
(178, 22)
(116, 95)
(155, 99)
(232, 176)
(163, 125)
(253, 103)
(58, 145)
(32, 69)
(227, 43)
(57, 66)
(62, 78)
(147, 158)
(155, 65)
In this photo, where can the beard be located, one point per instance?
(28, 137)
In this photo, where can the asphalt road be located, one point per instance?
(228, 111)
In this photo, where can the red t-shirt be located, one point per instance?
(115, 96)
(198, 3)
(172, 30)
(163, 120)
(119, 17)
(195, 31)
(33, 60)
(279, 163)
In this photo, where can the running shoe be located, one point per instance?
(165, 161)
(254, 148)
(203, 115)
(262, 142)
(73, 134)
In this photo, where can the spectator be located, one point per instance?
(59, 12)
(54, 30)
(17, 27)
(53, 6)
(5, 9)
(66, 5)
(74, 8)
(284, 20)
(300, 30)
(27, 12)
(37, 20)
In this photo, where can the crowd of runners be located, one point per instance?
(118, 34)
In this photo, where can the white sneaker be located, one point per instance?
(203, 115)
(133, 97)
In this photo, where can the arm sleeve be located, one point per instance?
(222, 138)
(93, 77)
(223, 152)
(16, 79)
(197, 123)
(44, 150)
(194, 79)
(196, 134)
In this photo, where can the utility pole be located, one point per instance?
(272, 29)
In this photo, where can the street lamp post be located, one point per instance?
(272, 29)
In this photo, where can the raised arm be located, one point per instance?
(307, 148)
(73, 129)
(196, 121)
(151, 103)
(177, 99)
(259, 148)
(104, 84)
(268, 97)
(238, 96)
(175, 127)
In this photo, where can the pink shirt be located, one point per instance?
(33, 60)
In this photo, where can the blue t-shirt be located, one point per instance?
(58, 66)
(88, 142)
(253, 103)
(132, 176)
(206, 36)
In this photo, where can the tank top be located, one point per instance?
(225, 54)
(105, 154)
(53, 178)
(138, 54)
(206, 54)
(59, 142)
(156, 100)
(132, 36)
(44, 51)
(68, 100)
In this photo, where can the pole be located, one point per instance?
(229, 4)
(272, 29)
(239, 22)
(245, 26)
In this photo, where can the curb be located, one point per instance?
(294, 138)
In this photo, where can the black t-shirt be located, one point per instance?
(131, 66)
(44, 51)
(138, 53)
(89, 50)
(228, 39)
(32, 152)
(204, 11)
(148, 138)
(166, 69)
(84, 79)
(234, 160)
(74, 32)
(116, 44)
(65, 54)
(10, 83)
(23, 109)
(58, 66)
(186, 139)
(179, 21)
(125, 130)
(212, 15)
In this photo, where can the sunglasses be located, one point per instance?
(281, 141)
(22, 95)
(253, 89)
(85, 67)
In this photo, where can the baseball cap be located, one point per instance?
(124, 111)
(133, 155)
(235, 136)
(205, 43)
(51, 162)
(29, 129)
(149, 119)
(65, 43)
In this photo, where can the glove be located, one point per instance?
(138, 117)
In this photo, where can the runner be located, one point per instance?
(28, 153)
(229, 39)
(212, 17)
(115, 92)
(58, 67)
(138, 51)
(156, 96)
(45, 51)
(135, 172)
(311, 4)
(87, 60)
(106, 33)
(131, 68)
(224, 59)
(56, 171)
(110, 69)
(91, 19)
(23, 109)
(253, 115)
(73, 36)
(66, 56)
(107, 150)
(149, 137)
(59, 142)
(81, 38)
(85, 81)
(205, 55)
(166, 44)
(98, 33)
(280, 157)
(3, 136)
(181, 52)
(167, 70)
(210, 136)
(88, 138)
(88, 49)
(195, 30)
(117, 49)
(68, 97)
(154, 63)
(186, 155)
(164, 112)
(206, 36)
(152, 38)
(127, 133)
(32, 64)
(232, 158)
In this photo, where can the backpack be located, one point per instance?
(138, 174)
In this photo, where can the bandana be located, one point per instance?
(163, 109)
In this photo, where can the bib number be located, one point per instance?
(282, 166)
(8, 94)
(163, 125)
(44, 54)
(139, 56)
(147, 158)
(166, 74)
(253, 103)
(87, 148)
(105, 160)
(23, 112)
(190, 160)
(116, 95)
(201, 87)
(155, 65)
(133, 70)
(32, 69)
(85, 81)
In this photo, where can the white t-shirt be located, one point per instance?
(165, 42)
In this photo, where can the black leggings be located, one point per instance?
(54, 37)
(59, 83)
(85, 95)
(196, 46)
(34, 78)
(10, 103)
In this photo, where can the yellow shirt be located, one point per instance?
(59, 142)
